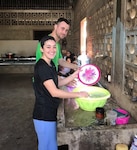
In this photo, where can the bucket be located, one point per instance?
(122, 117)
(111, 117)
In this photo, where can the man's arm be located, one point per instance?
(38, 52)
(66, 64)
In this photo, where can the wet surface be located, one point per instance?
(79, 118)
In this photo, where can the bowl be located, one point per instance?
(124, 119)
(98, 97)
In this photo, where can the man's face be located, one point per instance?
(61, 30)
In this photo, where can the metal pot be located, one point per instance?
(10, 55)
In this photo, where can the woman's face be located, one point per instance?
(68, 60)
(68, 53)
(49, 49)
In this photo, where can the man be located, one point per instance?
(60, 31)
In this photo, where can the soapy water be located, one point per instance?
(96, 95)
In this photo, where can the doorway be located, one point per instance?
(83, 35)
(37, 35)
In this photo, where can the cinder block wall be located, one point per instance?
(111, 28)
(21, 24)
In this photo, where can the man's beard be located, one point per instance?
(61, 37)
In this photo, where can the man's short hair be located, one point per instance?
(63, 19)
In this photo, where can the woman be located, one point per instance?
(48, 94)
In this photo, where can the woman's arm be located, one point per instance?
(66, 80)
(55, 92)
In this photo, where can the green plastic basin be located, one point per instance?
(98, 97)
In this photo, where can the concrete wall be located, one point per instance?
(22, 24)
(97, 139)
(19, 47)
(113, 37)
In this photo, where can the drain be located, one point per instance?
(63, 147)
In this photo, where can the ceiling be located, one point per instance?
(37, 4)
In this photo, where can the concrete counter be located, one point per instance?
(7, 68)
(78, 129)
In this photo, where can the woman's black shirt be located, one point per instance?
(46, 106)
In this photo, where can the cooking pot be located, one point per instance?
(10, 55)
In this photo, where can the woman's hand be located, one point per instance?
(72, 83)
(75, 74)
(70, 80)
(83, 94)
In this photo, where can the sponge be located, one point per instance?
(121, 147)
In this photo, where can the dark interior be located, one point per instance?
(36, 4)
(37, 35)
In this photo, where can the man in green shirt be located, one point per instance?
(59, 32)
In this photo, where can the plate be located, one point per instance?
(89, 74)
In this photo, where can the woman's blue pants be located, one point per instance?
(47, 134)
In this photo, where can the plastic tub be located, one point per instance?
(98, 97)
(122, 119)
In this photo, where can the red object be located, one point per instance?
(89, 74)
(99, 113)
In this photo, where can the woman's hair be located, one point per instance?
(68, 57)
(46, 38)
